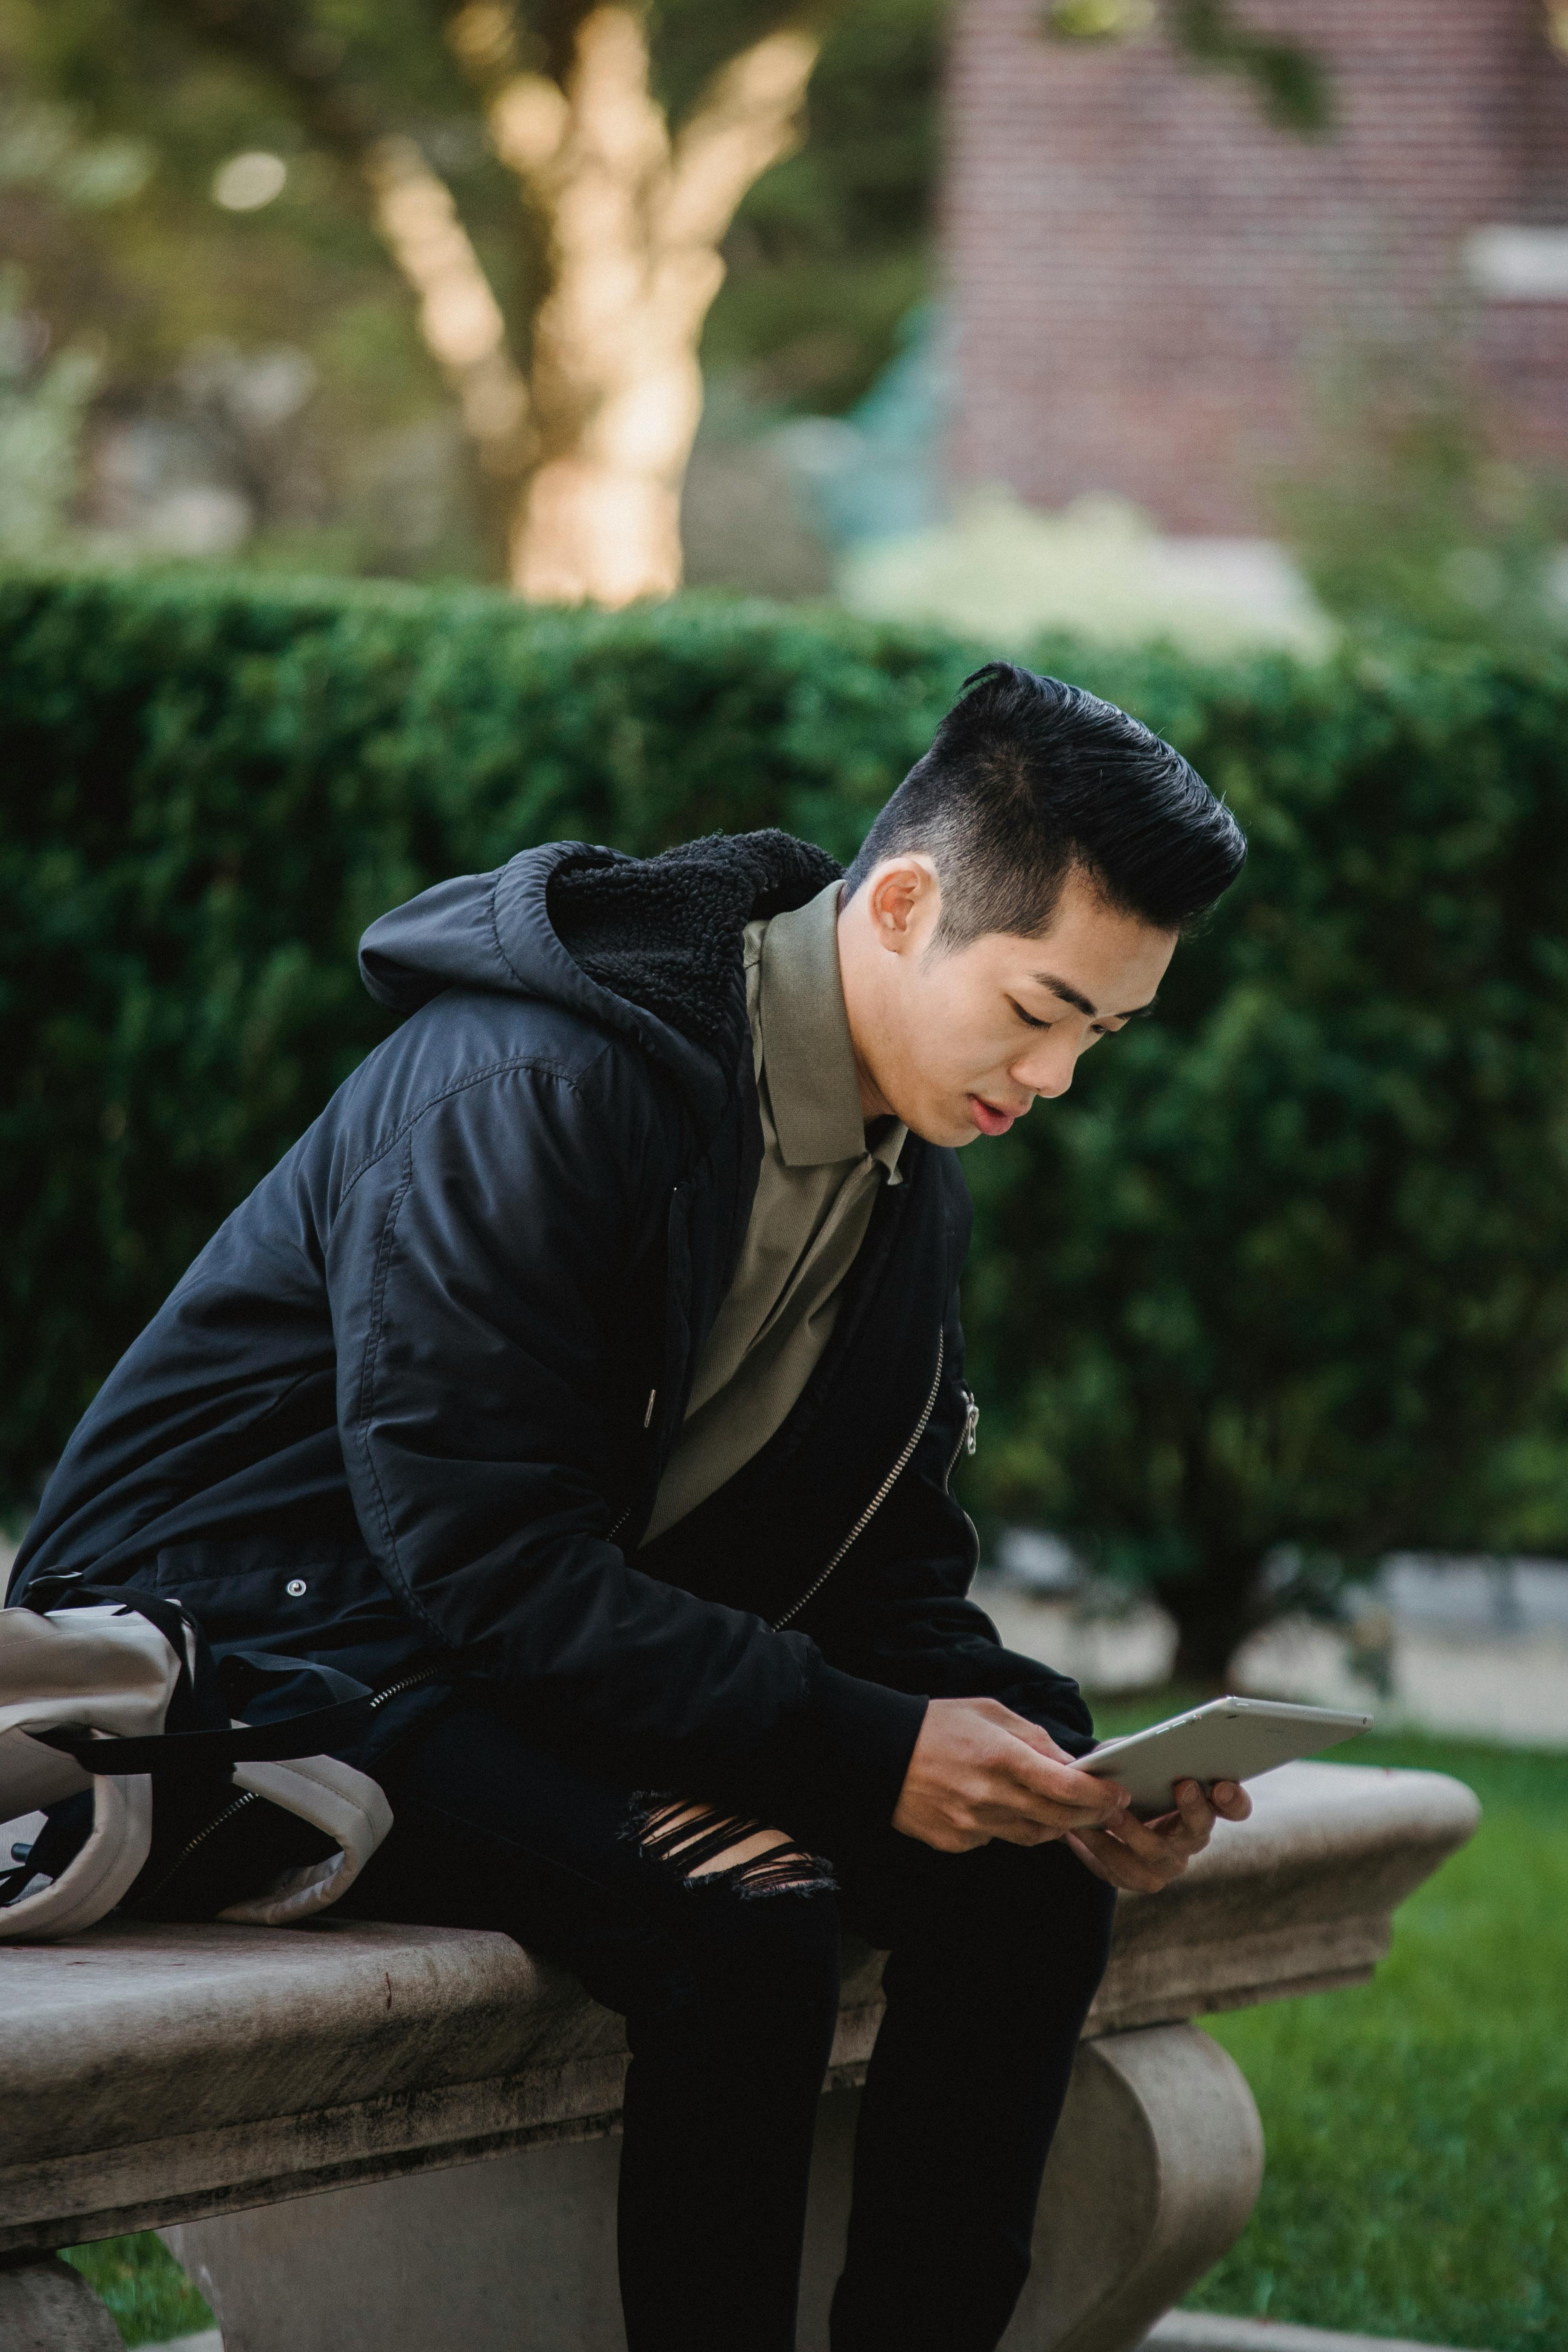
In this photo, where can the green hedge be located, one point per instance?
(1293, 1270)
(1287, 1264)
(211, 792)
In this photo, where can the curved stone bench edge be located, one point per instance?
(386, 1994)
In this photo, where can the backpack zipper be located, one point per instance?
(881, 1495)
(246, 1797)
(409, 1682)
(252, 1796)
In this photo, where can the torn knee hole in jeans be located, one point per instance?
(705, 1846)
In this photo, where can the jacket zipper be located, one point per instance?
(881, 1495)
(966, 1445)
(965, 1435)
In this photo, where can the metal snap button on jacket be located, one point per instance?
(295, 1587)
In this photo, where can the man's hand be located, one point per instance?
(979, 1772)
(1144, 1856)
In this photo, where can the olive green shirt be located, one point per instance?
(820, 1177)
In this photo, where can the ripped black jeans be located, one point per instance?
(729, 1991)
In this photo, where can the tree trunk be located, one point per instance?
(459, 318)
(634, 227)
(617, 396)
(1213, 1608)
(591, 436)
(616, 384)
(1205, 1647)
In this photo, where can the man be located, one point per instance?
(589, 1378)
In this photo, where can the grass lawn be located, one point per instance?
(143, 2286)
(1417, 2126)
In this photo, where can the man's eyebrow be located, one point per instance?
(1072, 996)
(1081, 1003)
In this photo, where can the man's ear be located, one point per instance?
(903, 902)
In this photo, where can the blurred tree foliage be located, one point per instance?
(832, 249)
(1289, 80)
(828, 250)
(1287, 1266)
(42, 403)
(162, 274)
(825, 255)
(1410, 521)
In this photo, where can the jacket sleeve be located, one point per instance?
(477, 1270)
(904, 1615)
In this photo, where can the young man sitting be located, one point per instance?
(589, 1378)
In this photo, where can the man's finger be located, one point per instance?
(1158, 1845)
(1034, 1736)
(1018, 1830)
(1115, 1862)
(1027, 1816)
(1197, 1816)
(1090, 1859)
(1168, 1844)
(1064, 1784)
(1141, 1858)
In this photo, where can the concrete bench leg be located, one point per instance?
(46, 2306)
(1155, 2171)
(513, 2254)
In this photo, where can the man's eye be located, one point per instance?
(1027, 1018)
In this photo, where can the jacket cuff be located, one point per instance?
(857, 1738)
(1057, 1706)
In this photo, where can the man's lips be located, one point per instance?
(987, 1117)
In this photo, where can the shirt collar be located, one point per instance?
(812, 1085)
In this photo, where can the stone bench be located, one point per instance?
(363, 2139)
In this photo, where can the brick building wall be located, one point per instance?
(1150, 280)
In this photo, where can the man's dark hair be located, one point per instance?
(1028, 781)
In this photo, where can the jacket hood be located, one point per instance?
(650, 946)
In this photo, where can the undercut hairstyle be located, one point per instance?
(1029, 781)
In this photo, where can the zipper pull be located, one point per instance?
(648, 1417)
(971, 1420)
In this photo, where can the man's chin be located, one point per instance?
(951, 1130)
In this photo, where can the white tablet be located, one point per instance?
(1229, 1739)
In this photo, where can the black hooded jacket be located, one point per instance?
(410, 1406)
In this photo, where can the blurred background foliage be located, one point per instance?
(199, 366)
(348, 457)
(246, 380)
(1284, 1268)
(1410, 521)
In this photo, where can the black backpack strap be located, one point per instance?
(206, 1751)
(207, 1740)
(195, 1703)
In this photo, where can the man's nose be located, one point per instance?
(1047, 1070)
